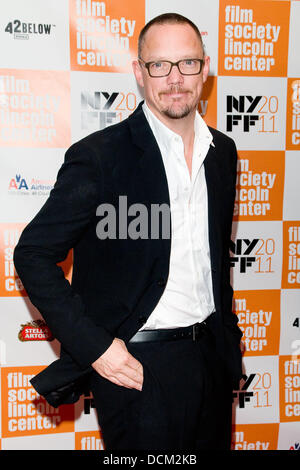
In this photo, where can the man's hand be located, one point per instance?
(119, 366)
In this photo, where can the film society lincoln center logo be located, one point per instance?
(289, 370)
(259, 185)
(259, 320)
(24, 412)
(10, 283)
(255, 436)
(293, 114)
(253, 38)
(34, 108)
(104, 35)
(291, 255)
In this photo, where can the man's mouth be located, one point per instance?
(174, 93)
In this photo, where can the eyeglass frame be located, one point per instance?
(148, 64)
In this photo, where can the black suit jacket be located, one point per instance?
(116, 283)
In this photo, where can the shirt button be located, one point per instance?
(161, 282)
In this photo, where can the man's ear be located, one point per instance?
(137, 70)
(205, 70)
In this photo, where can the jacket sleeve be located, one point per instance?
(233, 334)
(230, 319)
(46, 241)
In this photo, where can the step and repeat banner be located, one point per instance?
(65, 71)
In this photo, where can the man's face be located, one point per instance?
(177, 95)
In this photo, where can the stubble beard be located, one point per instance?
(172, 112)
(179, 114)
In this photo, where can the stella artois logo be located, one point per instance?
(36, 330)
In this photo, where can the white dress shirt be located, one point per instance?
(188, 295)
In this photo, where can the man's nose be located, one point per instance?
(175, 76)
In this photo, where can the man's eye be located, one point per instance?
(157, 65)
(189, 62)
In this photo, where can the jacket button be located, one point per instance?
(142, 320)
(161, 282)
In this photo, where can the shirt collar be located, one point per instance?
(201, 130)
(165, 137)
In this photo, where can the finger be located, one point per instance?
(130, 376)
(123, 380)
(128, 382)
(136, 366)
(121, 383)
(136, 374)
(133, 362)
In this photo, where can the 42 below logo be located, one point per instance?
(22, 30)
(296, 446)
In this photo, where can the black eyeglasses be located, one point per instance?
(162, 68)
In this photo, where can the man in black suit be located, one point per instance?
(147, 321)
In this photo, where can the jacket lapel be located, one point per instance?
(150, 177)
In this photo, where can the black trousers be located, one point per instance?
(185, 403)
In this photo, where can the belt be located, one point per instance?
(194, 332)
